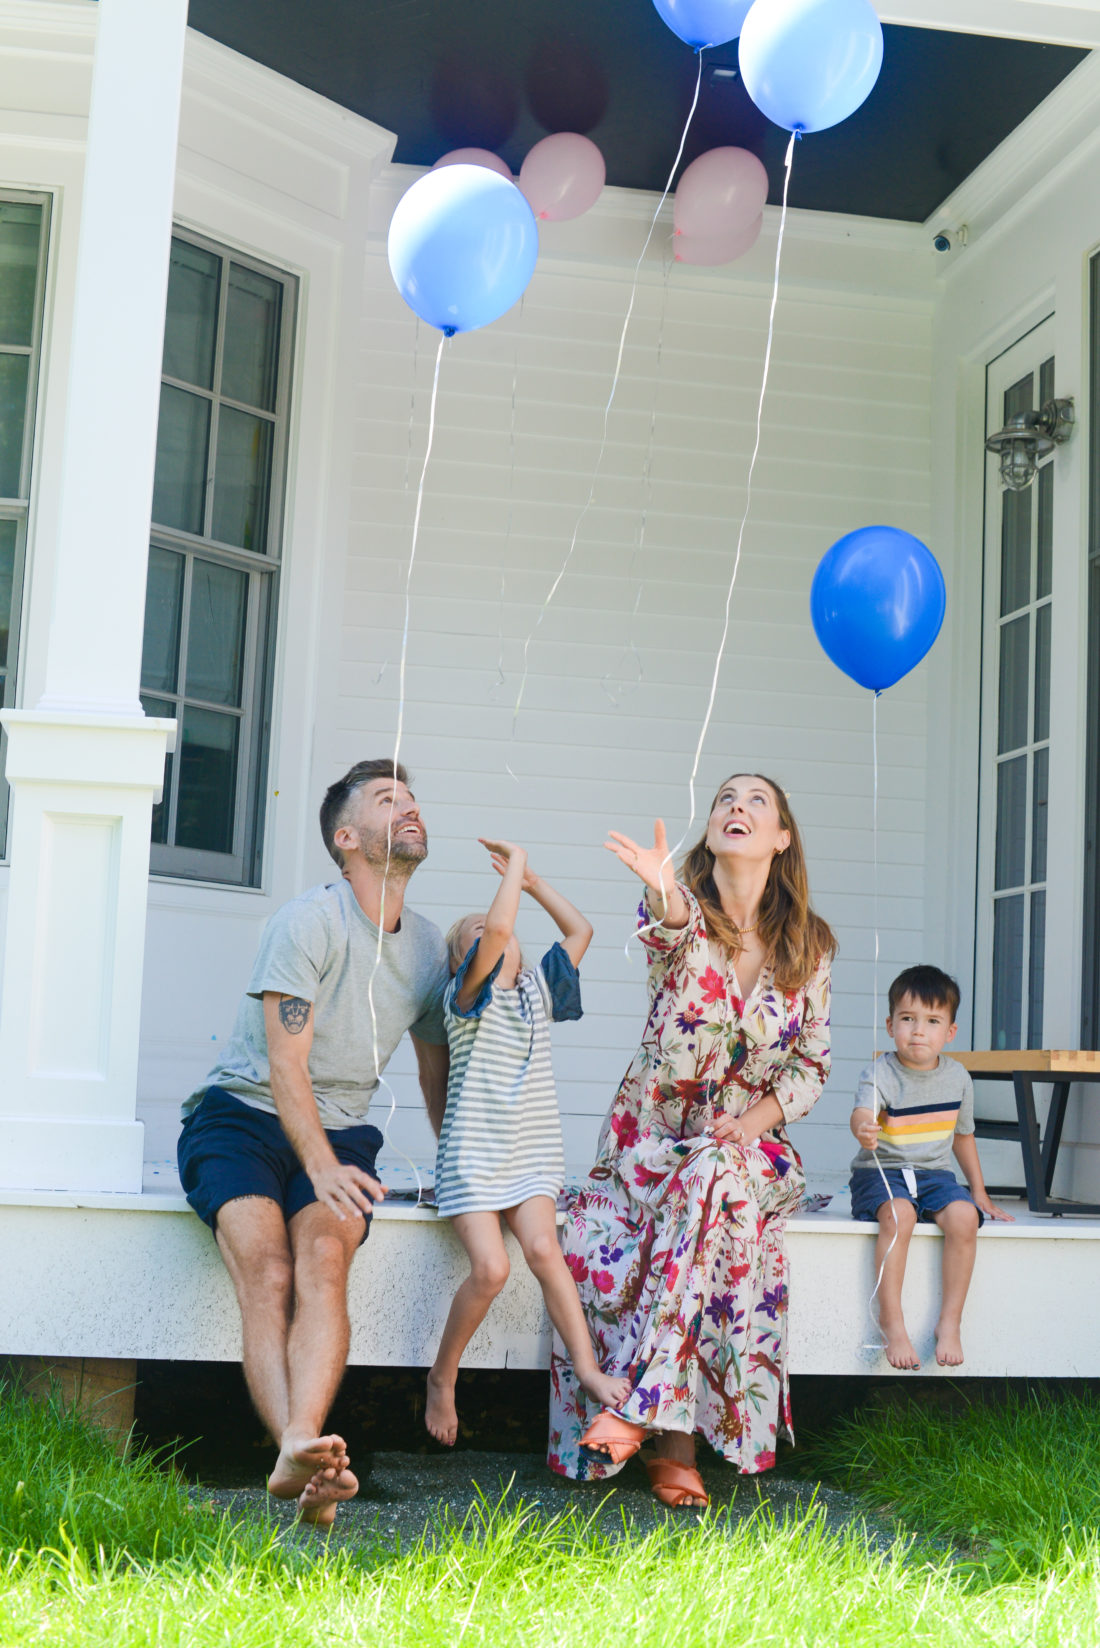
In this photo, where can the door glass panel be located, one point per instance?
(163, 609)
(1011, 822)
(1015, 551)
(1013, 685)
(1041, 766)
(1036, 969)
(1044, 483)
(242, 480)
(8, 533)
(215, 634)
(20, 237)
(1042, 673)
(251, 338)
(1008, 963)
(161, 707)
(1046, 380)
(1020, 396)
(14, 376)
(208, 781)
(179, 485)
(190, 323)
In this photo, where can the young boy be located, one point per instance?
(914, 1108)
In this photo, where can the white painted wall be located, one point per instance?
(284, 175)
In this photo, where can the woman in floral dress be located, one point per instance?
(676, 1241)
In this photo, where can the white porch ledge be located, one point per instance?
(138, 1276)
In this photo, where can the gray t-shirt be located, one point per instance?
(322, 948)
(924, 1109)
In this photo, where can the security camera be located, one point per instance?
(942, 242)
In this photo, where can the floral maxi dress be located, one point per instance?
(676, 1241)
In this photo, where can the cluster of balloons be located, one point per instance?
(877, 602)
(806, 64)
(719, 206)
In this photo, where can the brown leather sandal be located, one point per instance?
(612, 1439)
(674, 1484)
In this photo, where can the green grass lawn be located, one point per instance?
(96, 1551)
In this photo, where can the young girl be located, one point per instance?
(500, 1147)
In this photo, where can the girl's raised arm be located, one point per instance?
(576, 930)
(499, 923)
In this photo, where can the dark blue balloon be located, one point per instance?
(877, 603)
(704, 22)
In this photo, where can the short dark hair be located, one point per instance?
(931, 986)
(337, 796)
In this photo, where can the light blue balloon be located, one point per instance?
(462, 247)
(704, 22)
(808, 64)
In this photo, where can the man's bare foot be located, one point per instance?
(949, 1350)
(604, 1389)
(899, 1349)
(323, 1492)
(300, 1458)
(441, 1415)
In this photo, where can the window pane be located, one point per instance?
(208, 781)
(215, 634)
(163, 608)
(1042, 673)
(1012, 691)
(1020, 397)
(1011, 823)
(1046, 380)
(1015, 550)
(20, 236)
(1045, 484)
(158, 707)
(179, 485)
(1041, 768)
(14, 373)
(1008, 963)
(8, 531)
(242, 479)
(190, 322)
(250, 350)
(1036, 969)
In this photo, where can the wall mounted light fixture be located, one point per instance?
(1027, 438)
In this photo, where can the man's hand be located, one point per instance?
(347, 1190)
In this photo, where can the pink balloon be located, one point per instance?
(725, 189)
(708, 250)
(562, 176)
(475, 157)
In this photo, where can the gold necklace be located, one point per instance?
(741, 931)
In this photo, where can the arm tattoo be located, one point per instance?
(293, 1014)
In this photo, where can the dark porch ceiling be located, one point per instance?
(502, 73)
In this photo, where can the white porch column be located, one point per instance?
(85, 764)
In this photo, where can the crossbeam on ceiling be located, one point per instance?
(1054, 22)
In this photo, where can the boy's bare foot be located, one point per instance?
(300, 1458)
(899, 1348)
(949, 1350)
(441, 1415)
(604, 1389)
(323, 1492)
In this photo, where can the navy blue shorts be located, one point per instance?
(936, 1189)
(229, 1149)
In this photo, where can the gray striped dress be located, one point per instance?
(501, 1136)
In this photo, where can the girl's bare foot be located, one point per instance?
(899, 1348)
(604, 1389)
(949, 1350)
(441, 1415)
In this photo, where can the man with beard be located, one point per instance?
(276, 1154)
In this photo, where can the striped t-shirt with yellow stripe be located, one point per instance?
(919, 1112)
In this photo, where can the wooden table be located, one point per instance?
(1023, 1068)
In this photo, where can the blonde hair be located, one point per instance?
(455, 955)
(794, 937)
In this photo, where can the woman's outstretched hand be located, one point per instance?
(653, 865)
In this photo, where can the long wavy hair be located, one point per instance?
(794, 936)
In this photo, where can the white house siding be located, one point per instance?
(1033, 216)
(280, 173)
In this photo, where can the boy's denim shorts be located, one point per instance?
(229, 1149)
(936, 1189)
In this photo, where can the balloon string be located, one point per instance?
(610, 399)
(382, 1082)
(499, 682)
(719, 656)
(880, 1344)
